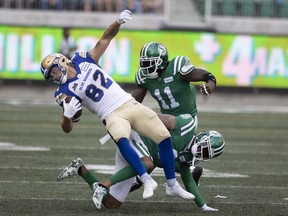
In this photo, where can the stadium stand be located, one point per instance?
(136, 6)
(246, 8)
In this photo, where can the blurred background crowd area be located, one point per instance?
(249, 8)
(136, 6)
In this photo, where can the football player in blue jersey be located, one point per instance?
(90, 86)
(188, 149)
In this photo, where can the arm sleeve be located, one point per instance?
(186, 67)
(190, 184)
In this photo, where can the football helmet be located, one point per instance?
(153, 57)
(208, 144)
(58, 60)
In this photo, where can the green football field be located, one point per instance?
(249, 178)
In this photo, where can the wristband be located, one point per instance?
(211, 77)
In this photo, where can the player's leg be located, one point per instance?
(77, 167)
(123, 172)
(119, 128)
(121, 180)
(150, 125)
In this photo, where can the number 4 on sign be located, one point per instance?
(242, 62)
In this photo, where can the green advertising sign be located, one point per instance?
(236, 60)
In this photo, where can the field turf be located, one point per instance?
(249, 178)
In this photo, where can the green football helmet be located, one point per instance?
(153, 57)
(208, 144)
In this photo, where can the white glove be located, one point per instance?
(208, 209)
(124, 16)
(71, 108)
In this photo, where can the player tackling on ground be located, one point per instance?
(188, 150)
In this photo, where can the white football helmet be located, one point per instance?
(58, 60)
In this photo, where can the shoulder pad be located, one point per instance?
(187, 67)
(83, 54)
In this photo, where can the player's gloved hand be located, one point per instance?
(208, 209)
(71, 108)
(124, 16)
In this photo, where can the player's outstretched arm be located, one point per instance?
(198, 74)
(112, 30)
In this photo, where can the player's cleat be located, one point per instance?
(99, 191)
(149, 186)
(197, 173)
(177, 190)
(136, 184)
(71, 169)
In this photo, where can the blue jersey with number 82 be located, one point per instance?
(94, 87)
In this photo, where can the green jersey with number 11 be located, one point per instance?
(174, 95)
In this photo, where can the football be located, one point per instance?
(77, 116)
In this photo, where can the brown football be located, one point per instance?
(77, 116)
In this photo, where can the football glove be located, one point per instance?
(124, 16)
(208, 209)
(71, 108)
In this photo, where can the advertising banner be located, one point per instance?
(236, 60)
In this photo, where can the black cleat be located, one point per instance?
(136, 184)
(197, 173)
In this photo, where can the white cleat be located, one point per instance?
(71, 169)
(177, 190)
(149, 186)
(98, 194)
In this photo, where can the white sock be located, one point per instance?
(171, 182)
(145, 177)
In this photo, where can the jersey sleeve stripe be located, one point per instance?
(175, 65)
(188, 127)
(180, 63)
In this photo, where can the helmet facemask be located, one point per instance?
(208, 144)
(153, 58)
(149, 66)
(60, 62)
(202, 150)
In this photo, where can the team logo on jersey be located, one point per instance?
(182, 158)
(85, 66)
(185, 116)
(74, 86)
(168, 79)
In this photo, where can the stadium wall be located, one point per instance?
(263, 63)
